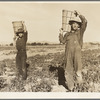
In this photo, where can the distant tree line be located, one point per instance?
(33, 44)
(94, 43)
(37, 43)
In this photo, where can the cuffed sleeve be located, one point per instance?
(62, 38)
(26, 36)
(84, 23)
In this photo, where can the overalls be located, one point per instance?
(72, 58)
(21, 56)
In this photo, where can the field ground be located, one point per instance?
(43, 72)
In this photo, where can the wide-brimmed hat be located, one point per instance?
(75, 19)
(20, 30)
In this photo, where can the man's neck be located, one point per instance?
(73, 31)
(20, 37)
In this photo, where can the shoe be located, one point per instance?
(70, 86)
(79, 77)
(24, 75)
(27, 65)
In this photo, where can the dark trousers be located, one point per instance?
(21, 63)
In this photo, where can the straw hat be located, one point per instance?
(75, 19)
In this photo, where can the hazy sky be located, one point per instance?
(44, 19)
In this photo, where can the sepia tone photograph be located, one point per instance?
(50, 47)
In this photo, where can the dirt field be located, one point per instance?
(43, 72)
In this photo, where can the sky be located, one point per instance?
(44, 19)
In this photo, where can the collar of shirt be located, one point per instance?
(20, 37)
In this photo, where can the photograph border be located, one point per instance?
(48, 96)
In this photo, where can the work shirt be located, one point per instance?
(77, 35)
(21, 42)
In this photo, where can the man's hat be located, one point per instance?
(75, 19)
(20, 30)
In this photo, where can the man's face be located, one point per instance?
(20, 35)
(75, 26)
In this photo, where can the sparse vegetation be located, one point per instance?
(40, 77)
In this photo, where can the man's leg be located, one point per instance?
(69, 70)
(78, 65)
(23, 59)
(18, 64)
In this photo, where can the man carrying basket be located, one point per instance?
(21, 57)
(74, 42)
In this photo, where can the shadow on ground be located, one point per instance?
(61, 75)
